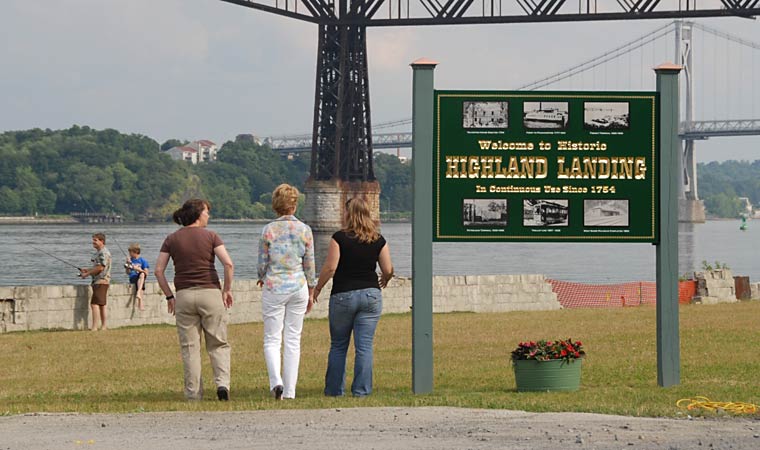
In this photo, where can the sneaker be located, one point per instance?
(223, 394)
(277, 392)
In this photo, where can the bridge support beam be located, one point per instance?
(341, 153)
(690, 207)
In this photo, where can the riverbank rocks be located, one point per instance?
(755, 290)
(715, 286)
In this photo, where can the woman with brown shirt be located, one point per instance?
(200, 303)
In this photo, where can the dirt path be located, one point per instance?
(373, 428)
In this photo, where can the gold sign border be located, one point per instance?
(438, 234)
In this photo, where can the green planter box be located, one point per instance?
(553, 375)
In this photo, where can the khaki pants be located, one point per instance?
(200, 309)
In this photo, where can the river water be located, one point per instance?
(582, 262)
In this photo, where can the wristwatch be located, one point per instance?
(169, 297)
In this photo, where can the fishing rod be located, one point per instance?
(127, 265)
(57, 258)
(117, 244)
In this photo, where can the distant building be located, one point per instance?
(195, 152)
(184, 153)
(206, 150)
(247, 137)
(746, 206)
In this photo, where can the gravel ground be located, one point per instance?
(373, 428)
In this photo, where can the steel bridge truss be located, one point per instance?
(342, 140)
(697, 130)
(452, 12)
(711, 128)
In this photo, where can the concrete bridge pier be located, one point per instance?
(690, 208)
(326, 201)
(691, 211)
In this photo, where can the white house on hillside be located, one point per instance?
(195, 152)
(184, 154)
(206, 150)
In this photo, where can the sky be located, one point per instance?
(205, 69)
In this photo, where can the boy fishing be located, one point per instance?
(137, 269)
(101, 278)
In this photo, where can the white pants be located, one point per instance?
(283, 314)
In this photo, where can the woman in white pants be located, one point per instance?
(287, 274)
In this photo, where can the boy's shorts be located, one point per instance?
(134, 281)
(99, 294)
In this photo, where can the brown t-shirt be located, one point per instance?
(192, 250)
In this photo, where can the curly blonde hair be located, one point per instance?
(359, 221)
(285, 199)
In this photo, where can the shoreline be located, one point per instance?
(31, 220)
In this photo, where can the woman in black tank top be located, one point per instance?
(355, 301)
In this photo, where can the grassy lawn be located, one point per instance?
(139, 369)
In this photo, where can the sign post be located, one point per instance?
(512, 166)
(422, 226)
(668, 343)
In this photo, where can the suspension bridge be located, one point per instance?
(679, 40)
(719, 69)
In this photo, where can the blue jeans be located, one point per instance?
(357, 311)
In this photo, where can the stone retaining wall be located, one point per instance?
(67, 307)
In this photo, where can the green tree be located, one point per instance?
(723, 205)
(10, 202)
(395, 178)
(170, 143)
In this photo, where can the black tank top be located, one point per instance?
(357, 263)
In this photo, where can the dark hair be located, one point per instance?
(100, 236)
(190, 211)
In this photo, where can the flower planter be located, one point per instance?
(552, 375)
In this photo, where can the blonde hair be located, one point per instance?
(134, 248)
(284, 199)
(359, 221)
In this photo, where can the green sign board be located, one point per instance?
(545, 166)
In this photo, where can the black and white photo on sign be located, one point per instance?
(545, 115)
(484, 212)
(545, 212)
(605, 213)
(485, 114)
(606, 116)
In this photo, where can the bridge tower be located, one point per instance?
(690, 207)
(341, 152)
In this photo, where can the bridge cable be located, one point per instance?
(601, 59)
(724, 35)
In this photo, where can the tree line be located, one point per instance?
(85, 170)
(81, 169)
(720, 184)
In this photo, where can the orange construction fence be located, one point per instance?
(581, 295)
(634, 293)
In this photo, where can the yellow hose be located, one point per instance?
(706, 404)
